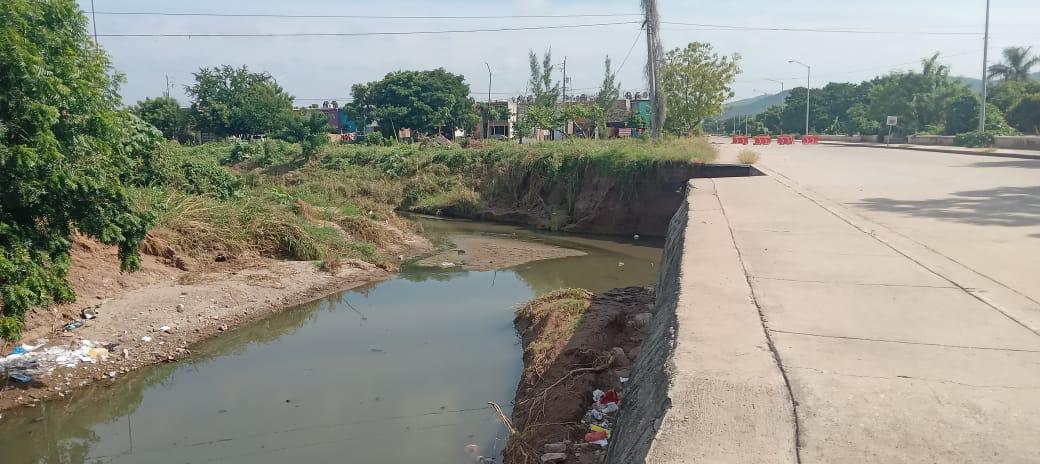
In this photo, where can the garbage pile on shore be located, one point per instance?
(27, 361)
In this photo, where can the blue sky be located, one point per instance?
(325, 68)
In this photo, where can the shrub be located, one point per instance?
(974, 139)
(1025, 114)
(242, 150)
(748, 156)
(277, 152)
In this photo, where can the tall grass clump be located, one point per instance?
(747, 156)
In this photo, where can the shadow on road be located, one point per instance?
(1027, 164)
(1003, 206)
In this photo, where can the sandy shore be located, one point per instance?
(482, 253)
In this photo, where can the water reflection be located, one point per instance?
(395, 372)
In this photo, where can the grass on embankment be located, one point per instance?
(259, 199)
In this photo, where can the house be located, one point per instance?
(499, 128)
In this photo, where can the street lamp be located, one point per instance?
(808, 76)
(780, 123)
(487, 127)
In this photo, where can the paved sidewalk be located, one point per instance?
(887, 359)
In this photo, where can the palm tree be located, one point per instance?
(1016, 66)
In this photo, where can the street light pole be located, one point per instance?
(985, 73)
(808, 77)
(487, 128)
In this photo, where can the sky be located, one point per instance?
(314, 69)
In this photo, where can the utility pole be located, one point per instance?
(653, 61)
(167, 85)
(808, 77)
(93, 22)
(487, 127)
(985, 72)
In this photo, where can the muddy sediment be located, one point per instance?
(482, 253)
(574, 343)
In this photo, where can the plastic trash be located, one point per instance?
(88, 313)
(623, 379)
(447, 264)
(610, 396)
(596, 428)
(19, 350)
(597, 395)
(593, 437)
(610, 408)
(602, 443)
(73, 325)
(165, 328)
(146, 339)
(21, 378)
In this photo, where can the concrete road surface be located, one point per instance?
(898, 291)
(972, 217)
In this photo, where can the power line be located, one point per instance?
(361, 34)
(328, 16)
(809, 29)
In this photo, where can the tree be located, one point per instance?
(543, 112)
(166, 115)
(546, 92)
(1017, 64)
(607, 97)
(424, 101)
(963, 115)
(1025, 115)
(1006, 93)
(65, 148)
(308, 128)
(695, 82)
(919, 99)
(234, 101)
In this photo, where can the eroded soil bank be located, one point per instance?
(575, 342)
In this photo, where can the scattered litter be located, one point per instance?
(593, 437)
(609, 408)
(88, 313)
(447, 264)
(21, 378)
(597, 395)
(610, 396)
(636, 236)
(602, 443)
(146, 339)
(28, 359)
(165, 328)
(623, 379)
(621, 264)
(73, 325)
(596, 428)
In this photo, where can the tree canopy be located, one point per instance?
(424, 101)
(234, 101)
(65, 150)
(695, 82)
(166, 114)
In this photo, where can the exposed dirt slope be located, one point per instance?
(574, 342)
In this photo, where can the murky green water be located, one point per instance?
(395, 372)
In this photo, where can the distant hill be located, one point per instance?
(976, 84)
(751, 106)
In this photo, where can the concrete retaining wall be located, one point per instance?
(1029, 142)
(940, 140)
(850, 138)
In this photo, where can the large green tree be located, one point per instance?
(426, 102)
(166, 114)
(65, 150)
(543, 113)
(695, 82)
(235, 101)
(606, 98)
(920, 99)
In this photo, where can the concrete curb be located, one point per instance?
(953, 150)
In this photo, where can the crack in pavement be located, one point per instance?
(765, 330)
(907, 377)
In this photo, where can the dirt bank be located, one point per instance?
(155, 315)
(598, 200)
(482, 253)
(574, 343)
